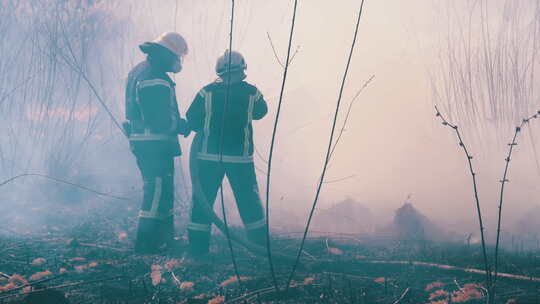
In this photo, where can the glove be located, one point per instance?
(183, 128)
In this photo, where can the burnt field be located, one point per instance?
(91, 260)
(437, 101)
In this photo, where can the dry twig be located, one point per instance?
(503, 182)
(275, 53)
(271, 153)
(330, 141)
(63, 182)
(403, 295)
(473, 175)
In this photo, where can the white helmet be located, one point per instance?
(236, 59)
(174, 42)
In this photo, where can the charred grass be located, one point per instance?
(91, 261)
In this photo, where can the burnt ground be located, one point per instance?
(90, 260)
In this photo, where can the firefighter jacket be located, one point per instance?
(234, 136)
(152, 111)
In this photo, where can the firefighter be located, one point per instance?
(153, 126)
(225, 148)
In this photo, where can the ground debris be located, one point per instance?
(99, 266)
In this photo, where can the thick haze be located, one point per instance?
(393, 145)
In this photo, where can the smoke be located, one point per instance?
(53, 124)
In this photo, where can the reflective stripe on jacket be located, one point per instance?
(234, 136)
(152, 109)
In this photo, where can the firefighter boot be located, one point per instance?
(167, 232)
(147, 240)
(153, 235)
(199, 240)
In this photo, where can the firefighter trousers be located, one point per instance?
(156, 224)
(243, 181)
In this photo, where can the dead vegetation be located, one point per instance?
(92, 262)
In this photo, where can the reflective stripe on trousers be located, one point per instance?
(153, 213)
(158, 176)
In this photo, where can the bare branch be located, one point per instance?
(473, 175)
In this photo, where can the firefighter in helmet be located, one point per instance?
(153, 126)
(223, 146)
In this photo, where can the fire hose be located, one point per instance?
(209, 211)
